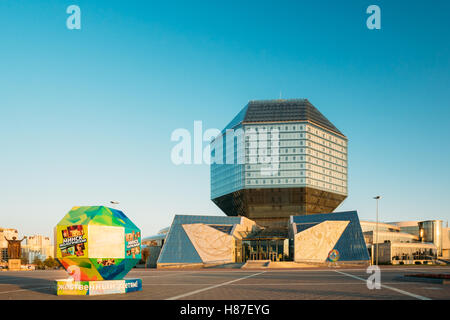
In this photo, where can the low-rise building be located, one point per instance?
(208, 240)
(446, 243)
(406, 242)
(151, 247)
(406, 253)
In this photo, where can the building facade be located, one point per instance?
(276, 168)
(278, 158)
(9, 234)
(315, 236)
(407, 242)
(151, 247)
(38, 246)
(203, 240)
(208, 240)
(278, 172)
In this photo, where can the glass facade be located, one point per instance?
(278, 158)
(227, 168)
(431, 231)
(405, 253)
(383, 236)
(302, 155)
(265, 249)
(415, 230)
(413, 253)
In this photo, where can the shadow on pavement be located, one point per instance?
(33, 281)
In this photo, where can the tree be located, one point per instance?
(24, 259)
(50, 263)
(38, 263)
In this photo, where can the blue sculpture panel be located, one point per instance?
(351, 245)
(178, 248)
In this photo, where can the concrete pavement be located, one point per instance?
(239, 284)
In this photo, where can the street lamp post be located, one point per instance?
(376, 241)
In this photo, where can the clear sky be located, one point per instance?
(86, 115)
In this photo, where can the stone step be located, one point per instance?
(256, 264)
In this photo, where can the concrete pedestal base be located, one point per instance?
(14, 264)
(92, 288)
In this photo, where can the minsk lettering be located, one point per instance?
(133, 244)
(72, 241)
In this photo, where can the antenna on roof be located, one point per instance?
(280, 94)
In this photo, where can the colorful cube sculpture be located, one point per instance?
(97, 243)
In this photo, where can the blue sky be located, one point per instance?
(86, 115)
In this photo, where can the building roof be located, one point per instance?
(397, 235)
(380, 224)
(405, 223)
(281, 111)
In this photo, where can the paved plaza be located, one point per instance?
(238, 284)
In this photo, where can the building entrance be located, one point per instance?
(262, 249)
